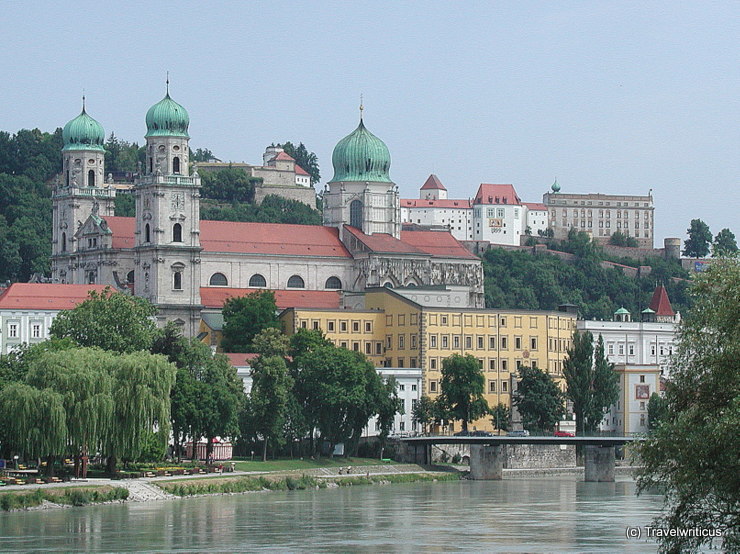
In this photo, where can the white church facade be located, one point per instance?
(165, 253)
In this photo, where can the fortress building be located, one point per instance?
(165, 253)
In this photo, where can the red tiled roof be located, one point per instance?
(250, 238)
(283, 157)
(123, 231)
(214, 297)
(383, 242)
(45, 296)
(440, 244)
(535, 206)
(433, 183)
(271, 238)
(496, 194)
(240, 360)
(660, 303)
(421, 203)
(300, 171)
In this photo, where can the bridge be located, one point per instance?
(487, 460)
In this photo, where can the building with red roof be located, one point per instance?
(188, 267)
(27, 310)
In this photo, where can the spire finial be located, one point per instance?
(362, 107)
(83, 100)
(168, 83)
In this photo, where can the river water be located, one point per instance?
(538, 515)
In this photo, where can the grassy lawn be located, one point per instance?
(288, 465)
(76, 496)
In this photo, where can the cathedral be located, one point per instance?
(171, 257)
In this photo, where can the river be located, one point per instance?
(540, 515)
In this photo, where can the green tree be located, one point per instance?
(692, 456)
(538, 399)
(620, 239)
(724, 243)
(423, 412)
(202, 155)
(501, 416)
(307, 160)
(592, 384)
(245, 317)
(657, 409)
(462, 388)
(108, 320)
(697, 245)
(335, 386)
(271, 387)
(388, 405)
(229, 185)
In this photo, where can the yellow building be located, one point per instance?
(410, 328)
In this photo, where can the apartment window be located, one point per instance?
(445, 341)
(432, 386)
(621, 350)
(315, 325)
(36, 330)
(502, 323)
(468, 342)
(388, 342)
(610, 349)
(492, 364)
(504, 386)
(480, 343)
(433, 363)
(413, 362)
(642, 405)
(491, 386)
(401, 362)
(444, 320)
(343, 326)
(456, 341)
(492, 343)
(401, 342)
(632, 349)
(533, 343)
(504, 365)
(356, 346)
(642, 378)
(378, 348)
(401, 388)
(355, 326)
(330, 326)
(343, 344)
(413, 389)
(504, 343)
(368, 327)
(13, 330)
(413, 341)
(517, 343)
(432, 341)
(368, 348)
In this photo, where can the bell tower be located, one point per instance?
(167, 236)
(79, 192)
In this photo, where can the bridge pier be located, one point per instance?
(599, 464)
(486, 462)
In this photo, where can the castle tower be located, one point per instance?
(361, 193)
(167, 236)
(79, 193)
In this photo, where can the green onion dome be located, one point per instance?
(167, 118)
(361, 156)
(83, 133)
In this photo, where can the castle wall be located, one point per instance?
(306, 195)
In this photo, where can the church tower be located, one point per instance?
(167, 236)
(361, 193)
(80, 192)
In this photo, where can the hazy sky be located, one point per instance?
(611, 97)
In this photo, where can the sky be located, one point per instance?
(609, 97)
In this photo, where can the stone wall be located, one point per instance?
(516, 456)
(307, 195)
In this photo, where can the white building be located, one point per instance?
(636, 384)
(28, 309)
(499, 216)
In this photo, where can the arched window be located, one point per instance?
(411, 284)
(177, 233)
(296, 282)
(257, 280)
(388, 284)
(147, 234)
(177, 280)
(64, 242)
(176, 164)
(68, 177)
(91, 178)
(219, 280)
(130, 277)
(151, 164)
(355, 214)
(333, 283)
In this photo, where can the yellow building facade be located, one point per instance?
(395, 331)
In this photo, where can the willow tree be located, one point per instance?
(141, 386)
(82, 378)
(34, 421)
